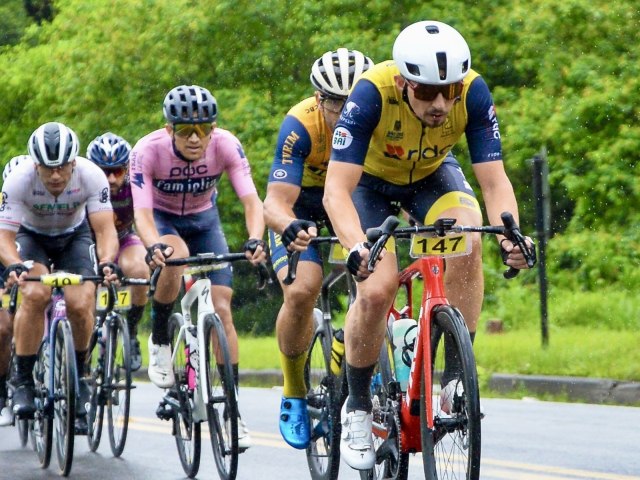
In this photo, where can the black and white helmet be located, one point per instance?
(190, 104)
(13, 163)
(432, 53)
(334, 73)
(53, 145)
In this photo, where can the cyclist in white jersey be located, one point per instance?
(174, 172)
(48, 209)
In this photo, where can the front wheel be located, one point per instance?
(222, 407)
(118, 383)
(95, 414)
(323, 401)
(452, 448)
(42, 425)
(186, 431)
(64, 390)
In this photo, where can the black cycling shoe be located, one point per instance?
(83, 398)
(136, 354)
(24, 405)
(81, 427)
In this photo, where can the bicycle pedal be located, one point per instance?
(164, 411)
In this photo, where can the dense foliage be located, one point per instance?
(564, 76)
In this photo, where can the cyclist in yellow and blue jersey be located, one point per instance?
(294, 212)
(391, 149)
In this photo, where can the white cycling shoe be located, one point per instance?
(356, 441)
(244, 438)
(451, 389)
(160, 366)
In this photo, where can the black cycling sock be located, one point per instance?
(3, 388)
(359, 380)
(473, 336)
(133, 317)
(81, 358)
(160, 313)
(23, 374)
(452, 362)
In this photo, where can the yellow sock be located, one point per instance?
(293, 371)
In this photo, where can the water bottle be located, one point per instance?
(404, 338)
(337, 351)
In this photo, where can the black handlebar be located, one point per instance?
(264, 277)
(294, 257)
(378, 236)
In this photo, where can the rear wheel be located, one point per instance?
(118, 383)
(323, 400)
(391, 463)
(222, 407)
(64, 388)
(42, 425)
(452, 448)
(97, 400)
(185, 430)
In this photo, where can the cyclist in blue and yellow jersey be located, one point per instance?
(392, 149)
(293, 208)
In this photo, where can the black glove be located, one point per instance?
(354, 259)
(114, 268)
(160, 246)
(291, 232)
(14, 267)
(252, 245)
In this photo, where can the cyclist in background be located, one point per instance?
(49, 207)
(392, 148)
(174, 173)
(293, 207)
(6, 321)
(110, 152)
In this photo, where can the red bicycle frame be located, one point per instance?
(431, 270)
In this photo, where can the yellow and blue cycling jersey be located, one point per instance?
(303, 147)
(378, 129)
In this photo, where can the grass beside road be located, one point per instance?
(572, 351)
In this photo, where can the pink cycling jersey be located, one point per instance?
(161, 180)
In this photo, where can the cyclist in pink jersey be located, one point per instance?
(174, 172)
(110, 152)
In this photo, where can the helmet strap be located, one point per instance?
(177, 152)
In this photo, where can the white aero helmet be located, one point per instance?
(335, 72)
(13, 163)
(432, 53)
(53, 145)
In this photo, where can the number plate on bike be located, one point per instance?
(338, 254)
(447, 246)
(123, 301)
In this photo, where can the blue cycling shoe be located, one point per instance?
(294, 422)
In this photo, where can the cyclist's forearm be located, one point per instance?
(146, 226)
(8, 251)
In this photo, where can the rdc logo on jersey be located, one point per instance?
(341, 138)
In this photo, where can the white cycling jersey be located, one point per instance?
(25, 200)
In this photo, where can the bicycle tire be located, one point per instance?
(186, 432)
(23, 431)
(452, 448)
(95, 415)
(222, 407)
(64, 388)
(324, 402)
(41, 430)
(391, 463)
(118, 382)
